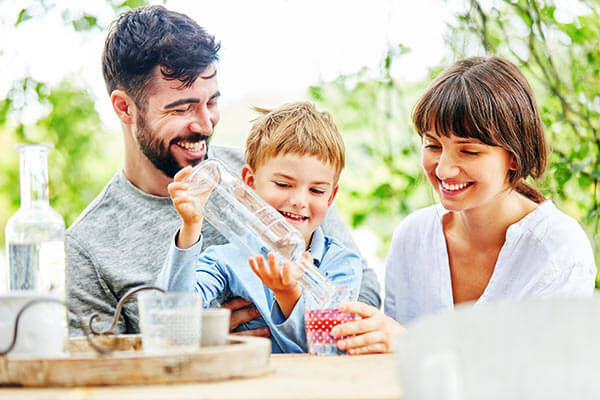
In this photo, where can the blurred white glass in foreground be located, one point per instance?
(438, 377)
(250, 223)
(538, 349)
(215, 326)
(35, 233)
(170, 322)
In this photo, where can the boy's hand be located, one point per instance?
(283, 282)
(184, 201)
(178, 190)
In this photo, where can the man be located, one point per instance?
(159, 69)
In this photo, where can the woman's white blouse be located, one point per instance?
(546, 253)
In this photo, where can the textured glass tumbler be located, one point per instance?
(170, 322)
(320, 320)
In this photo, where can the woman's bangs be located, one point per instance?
(450, 108)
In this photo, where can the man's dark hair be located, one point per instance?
(145, 37)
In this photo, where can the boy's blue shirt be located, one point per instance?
(222, 271)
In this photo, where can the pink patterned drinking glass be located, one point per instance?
(320, 320)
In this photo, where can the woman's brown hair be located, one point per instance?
(489, 99)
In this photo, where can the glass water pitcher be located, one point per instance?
(250, 223)
(35, 243)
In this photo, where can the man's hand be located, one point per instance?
(241, 314)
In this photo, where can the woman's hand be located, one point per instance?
(375, 332)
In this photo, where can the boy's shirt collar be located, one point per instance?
(317, 246)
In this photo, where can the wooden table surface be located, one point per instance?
(292, 377)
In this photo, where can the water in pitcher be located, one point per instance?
(37, 266)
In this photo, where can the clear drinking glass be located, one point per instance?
(35, 234)
(170, 322)
(250, 223)
(319, 321)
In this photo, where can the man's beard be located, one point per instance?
(155, 151)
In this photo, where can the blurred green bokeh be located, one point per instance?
(85, 153)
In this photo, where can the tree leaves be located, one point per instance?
(381, 182)
(23, 16)
(82, 159)
(85, 23)
(120, 6)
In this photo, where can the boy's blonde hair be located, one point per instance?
(296, 128)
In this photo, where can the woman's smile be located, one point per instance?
(454, 188)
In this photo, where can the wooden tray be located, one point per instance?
(241, 357)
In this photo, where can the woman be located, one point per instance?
(493, 236)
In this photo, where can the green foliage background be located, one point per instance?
(383, 180)
(85, 154)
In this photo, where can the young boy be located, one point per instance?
(294, 156)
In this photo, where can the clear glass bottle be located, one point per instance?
(35, 234)
(249, 222)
